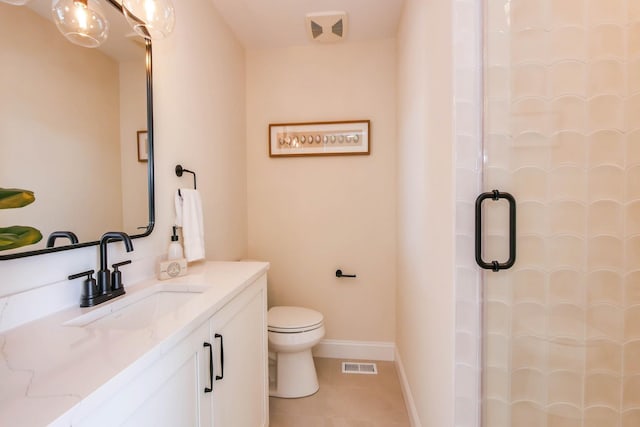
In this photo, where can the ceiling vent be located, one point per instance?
(327, 27)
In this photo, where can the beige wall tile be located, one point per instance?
(496, 382)
(567, 77)
(568, 13)
(528, 384)
(605, 321)
(631, 392)
(603, 356)
(605, 286)
(561, 415)
(606, 11)
(606, 40)
(607, 147)
(600, 417)
(602, 389)
(567, 320)
(565, 387)
(566, 286)
(631, 418)
(567, 217)
(566, 355)
(632, 323)
(632, 358)
(530, 286)
(528, 319)
(527, 414)
(528, 352)
(529, 45)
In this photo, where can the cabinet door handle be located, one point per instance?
(221, 376)
(209, 389)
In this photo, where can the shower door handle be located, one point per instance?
(495, 265)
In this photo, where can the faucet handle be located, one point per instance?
(89, 289)
(116, 275)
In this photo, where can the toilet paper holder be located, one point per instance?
(339, 274)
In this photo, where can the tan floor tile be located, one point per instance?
(345, 400)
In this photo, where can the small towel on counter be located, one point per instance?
(189, 217)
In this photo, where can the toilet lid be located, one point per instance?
(292, 319)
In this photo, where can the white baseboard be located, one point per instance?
(406, 392)
(363, 350)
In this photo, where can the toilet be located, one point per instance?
(292, 332)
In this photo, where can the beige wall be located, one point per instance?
(308, 216)
(425, 306)
(200, 123)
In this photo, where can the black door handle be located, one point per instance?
(495, 265)
(221, 376)
(209, 389)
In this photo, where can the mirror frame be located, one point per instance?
(150, 165)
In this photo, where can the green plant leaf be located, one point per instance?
(15, 198)
(17, 236)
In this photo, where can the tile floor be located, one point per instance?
(345, 400)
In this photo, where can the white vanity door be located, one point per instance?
(240, 397)
(175, 401)
(165, 395)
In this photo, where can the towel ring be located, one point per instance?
(180, 170)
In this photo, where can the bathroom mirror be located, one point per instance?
(76, 129)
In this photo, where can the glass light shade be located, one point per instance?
(152, 19)
(82, 22)
(16, 2)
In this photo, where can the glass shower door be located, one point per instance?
(561, 328)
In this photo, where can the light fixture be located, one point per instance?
(16, 2)
(82, 22)
(152, 19)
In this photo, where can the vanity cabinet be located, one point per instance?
(240, 385)
(172, 391)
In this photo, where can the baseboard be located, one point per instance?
(406, 392)
(363, 350)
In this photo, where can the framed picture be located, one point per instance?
(143, 146)
(319, 139)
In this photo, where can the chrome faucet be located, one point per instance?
(109, 284)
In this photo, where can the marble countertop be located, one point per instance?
(52, 374)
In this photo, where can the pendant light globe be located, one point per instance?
(82, 22)
(151, 19)
(16, 2)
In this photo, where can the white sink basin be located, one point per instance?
(137, 310)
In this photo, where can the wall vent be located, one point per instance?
(359, 368)
(327, 27)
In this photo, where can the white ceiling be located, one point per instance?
(281, 23)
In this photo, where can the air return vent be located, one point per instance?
(327, 27)
(359, 368)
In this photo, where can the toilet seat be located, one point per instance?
(291, 320)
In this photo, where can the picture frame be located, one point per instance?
(143, 146)
(337, 138)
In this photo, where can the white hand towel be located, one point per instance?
(189, 217)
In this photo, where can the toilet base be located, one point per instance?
(295, 375)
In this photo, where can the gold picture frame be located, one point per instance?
(340, 138)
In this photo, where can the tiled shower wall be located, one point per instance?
(562, 134)
(467, 57)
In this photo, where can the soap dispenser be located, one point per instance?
(175, 248)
